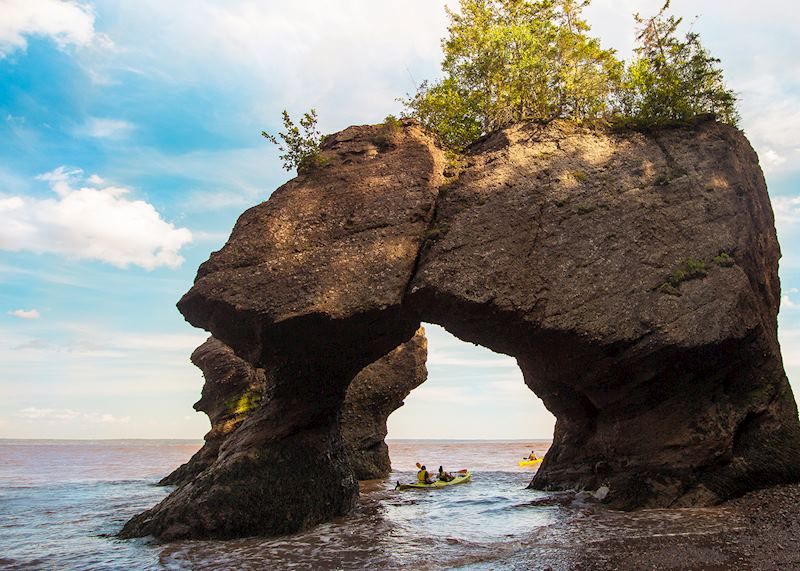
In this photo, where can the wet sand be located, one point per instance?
(760, 531)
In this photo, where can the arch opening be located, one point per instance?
(471, 393)
(473, 411)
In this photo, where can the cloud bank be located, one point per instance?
(68, 415)
(90, 223)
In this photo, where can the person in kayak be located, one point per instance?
(532, 456)
(423, 477)
(445, 476)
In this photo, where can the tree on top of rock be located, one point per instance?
(507, 61)
(673, 79)
(514, 60)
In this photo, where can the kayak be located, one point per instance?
(461, 477)
(530, 462)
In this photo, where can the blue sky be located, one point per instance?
(130, 143)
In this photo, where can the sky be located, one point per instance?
(129, 144)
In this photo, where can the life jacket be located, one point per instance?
(422, 476)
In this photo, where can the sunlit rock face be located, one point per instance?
(633, 277)
(234, 388)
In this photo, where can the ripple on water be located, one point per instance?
(69, 523)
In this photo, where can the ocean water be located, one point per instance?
(61, 502)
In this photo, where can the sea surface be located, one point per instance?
(61, 502)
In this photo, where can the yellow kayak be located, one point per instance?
(461, 477)
(530, 462)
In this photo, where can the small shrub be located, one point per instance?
(691, 269)
(392, 124)
(695, 268)
(676, 278)
(724, 260)
(300, 150)
(585, 209)
(388, 133)
(313, 162)
(662, 180)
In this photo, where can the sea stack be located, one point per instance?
(632, 275)
(234, 389)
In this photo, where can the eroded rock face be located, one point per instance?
(633, 276)
(234, 388)
(375, 393)
(309, 287)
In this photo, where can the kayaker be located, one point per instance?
(423, 477)
(532, 456)
(445, 476)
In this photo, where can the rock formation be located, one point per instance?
(234, 388)
(633, 276)
(375, 393)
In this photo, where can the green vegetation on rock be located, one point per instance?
(672, 79)
(301, 150)
(245, 403)
(724, 260)
(389, 132)
(507, 61)
(690, 269)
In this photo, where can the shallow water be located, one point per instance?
(61, 503)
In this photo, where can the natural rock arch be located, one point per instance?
(633, 277)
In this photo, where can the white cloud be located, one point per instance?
(786, 209)
(80, 341)
(65, 415)
(66, 22)
(787, 303)
(95, 180)
(90, 223)
(33, 413)
(25, 313)
(771, 158)
(100, 128)
(360, 53)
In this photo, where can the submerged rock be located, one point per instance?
(633, 276)
(234, 388)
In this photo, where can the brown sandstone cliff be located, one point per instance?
(234, 388)
(633, 276)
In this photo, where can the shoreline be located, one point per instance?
(760, 530)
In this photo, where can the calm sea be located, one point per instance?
(61, 502)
